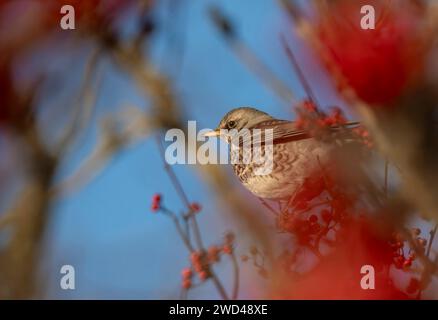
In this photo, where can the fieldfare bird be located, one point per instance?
(295, 154)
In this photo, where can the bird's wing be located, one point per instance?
(284, 131)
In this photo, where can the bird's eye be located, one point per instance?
(231, 124)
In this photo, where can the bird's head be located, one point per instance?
(238, 119)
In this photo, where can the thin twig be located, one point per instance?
(86, 104)
(429, 267)
(296, 66)
(175, 182)
(184, 236)
(197, 232)
(268, 206)
(110, 143)
(183, 294)
(236, 276)
(219, 286)
(431, 238)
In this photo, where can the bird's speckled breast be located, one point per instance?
(291, 164)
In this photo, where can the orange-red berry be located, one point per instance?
(227, 249)
(156, 202)
(203, 275)
(187, 273)
(213, 253)
(195, 207)
(187, 284)
(407, 263)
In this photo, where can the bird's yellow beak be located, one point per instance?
(212, 133)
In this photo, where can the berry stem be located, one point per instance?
(432, 236)
(236, 276)
(296, 66)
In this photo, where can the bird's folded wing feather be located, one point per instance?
(284, 131)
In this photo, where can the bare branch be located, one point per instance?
(86, 104)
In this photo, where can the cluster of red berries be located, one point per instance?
(187, 275)
(315, 210)
(258, 259)
(156, 202)
(303, 229)
(310, 117)
(201, 261)
(335, 118)
(195, 207)
(316, 122)
(364, 136)
(378, 67)
(200, 264)
(312, 187)
(400, 259)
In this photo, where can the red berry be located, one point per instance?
(299, 123)
(198, 267)
(399, 262)
(313, 218)
(186, 284)
(227, 249)
(186, 273)
(315, 228)
(213, 254)
(302, 205)
(195, 207)
(203, 275)
(329, 121)
(326, 215)
(195, 257)
(156, 201)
